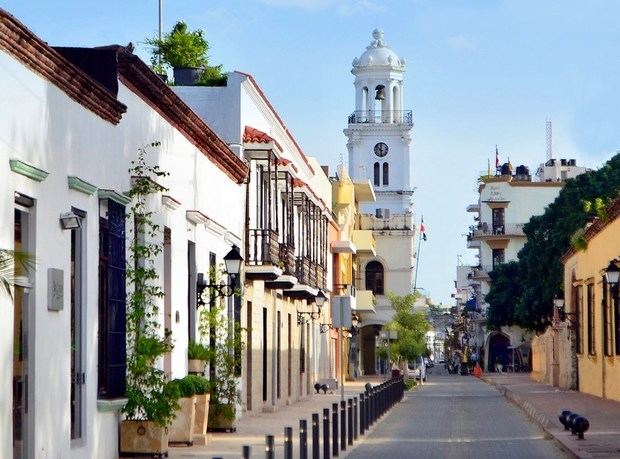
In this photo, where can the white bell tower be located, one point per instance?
(378, 141)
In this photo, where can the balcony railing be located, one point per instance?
(287, 258)
(263, 247)
(509, 229)
(381, 117)
(394, 222)
(302, 270)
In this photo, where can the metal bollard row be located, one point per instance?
(357, 414)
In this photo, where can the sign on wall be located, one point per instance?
(55, 289)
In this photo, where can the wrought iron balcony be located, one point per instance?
(263, 247)
(382, 117)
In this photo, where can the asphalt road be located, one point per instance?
(456, 417)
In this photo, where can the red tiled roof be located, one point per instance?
(141, 80)
(286, 162)
(30, 50)
(288, 133)
(251, 134)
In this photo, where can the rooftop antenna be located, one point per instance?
(549, 135)
(161, 24)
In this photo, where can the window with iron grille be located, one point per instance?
(578, 308)
(112, 356)
(375, 277)
(591, 323)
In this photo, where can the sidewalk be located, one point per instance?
(544, 403)
(251, 430)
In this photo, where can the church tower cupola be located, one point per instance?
(378, 83)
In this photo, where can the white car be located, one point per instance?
(415, 368)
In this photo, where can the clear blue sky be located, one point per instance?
(480, 73)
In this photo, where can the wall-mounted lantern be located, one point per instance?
(206, 292)
(303, 317)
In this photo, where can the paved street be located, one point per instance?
(456, 417)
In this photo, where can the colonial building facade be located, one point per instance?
(286, 241)
(378, 140)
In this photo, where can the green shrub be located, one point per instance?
(198, 351)
(199, 384)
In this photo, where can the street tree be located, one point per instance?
(410, 327)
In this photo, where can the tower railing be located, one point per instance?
(381, 117)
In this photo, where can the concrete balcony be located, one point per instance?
(366, 300)
(394, 222)
(343, 247)
(364, 241)
(506, 231)
(473, 208)
(480, 273)
(472, 243)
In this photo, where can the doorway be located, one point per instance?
(22, 349)
(498, 351)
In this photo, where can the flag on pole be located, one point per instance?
(497, 167)
(423, 229)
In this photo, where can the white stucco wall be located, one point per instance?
(46, 129)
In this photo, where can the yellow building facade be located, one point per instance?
(347, 196)
(593, 307)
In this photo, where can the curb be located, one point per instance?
(530, 411)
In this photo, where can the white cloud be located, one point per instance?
(461, 43)
(342, 7)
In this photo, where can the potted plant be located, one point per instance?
(185, 52)
(181, 428)
(197, 357)
(225, 362)
(202, 390)
(150, 400)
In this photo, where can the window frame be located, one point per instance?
(375, 283)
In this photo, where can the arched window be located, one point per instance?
(386, 174)
(374, 277)
(377, 174)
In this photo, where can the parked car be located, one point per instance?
(417, 368)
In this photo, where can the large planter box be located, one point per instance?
(196, 366)
(218, 422)
(143, 437)
(181, 429)
(187, 76)
(202, 414)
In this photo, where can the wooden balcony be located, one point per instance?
(302, 270)
(263, 255)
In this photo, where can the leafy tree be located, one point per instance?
(410, 326)
(505, 290)
(549, 236)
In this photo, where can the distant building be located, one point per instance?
(506, 203)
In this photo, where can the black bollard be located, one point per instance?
(315, 436)
(288, 443)
(335, 447)
(269, 448)
(355, 416)
(303, 439)
(362, 414)
(343, 425)
(349, 421)
(325, 433)
(245, 452)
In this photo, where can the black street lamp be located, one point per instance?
(206, 292)
(319, 300)
(612, 274)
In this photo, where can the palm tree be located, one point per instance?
(9, 261)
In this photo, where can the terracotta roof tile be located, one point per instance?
(288, 133)
(251, 134)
